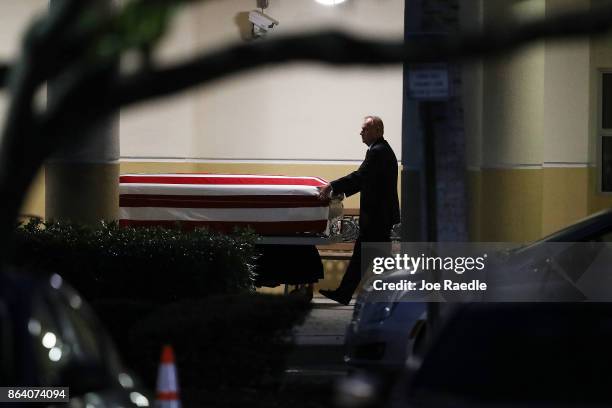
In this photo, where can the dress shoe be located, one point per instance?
(335, 296)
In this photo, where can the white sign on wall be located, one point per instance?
(428, 83)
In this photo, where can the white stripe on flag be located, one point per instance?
(224, 214)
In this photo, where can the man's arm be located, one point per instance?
(353, 183)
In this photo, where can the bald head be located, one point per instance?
(372, 129)
(377, 124)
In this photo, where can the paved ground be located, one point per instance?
(320, 341)
(325, 325)
(317, 362)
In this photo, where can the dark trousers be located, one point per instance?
(352, 276)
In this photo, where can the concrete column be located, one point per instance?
(81, 180)
(433, 144)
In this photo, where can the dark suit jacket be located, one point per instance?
(376, 179)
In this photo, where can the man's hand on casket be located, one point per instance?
(325, 192)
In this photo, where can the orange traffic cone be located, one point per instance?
(167, 384)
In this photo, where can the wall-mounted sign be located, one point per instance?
(428, 83)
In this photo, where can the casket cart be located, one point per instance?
(285, 211)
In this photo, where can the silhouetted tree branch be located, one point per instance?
(19, 156)
(75, 48)
(341, 49)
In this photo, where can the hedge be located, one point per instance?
(151, 264)
(154, 286)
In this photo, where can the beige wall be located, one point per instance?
(513, 95)
(565, 194)
(11, 30)
(289, 112)
(531, 124)
(521, 205)
(16, 17)
(511, 205)
(536, 101)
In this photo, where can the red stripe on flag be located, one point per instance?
(191, 201)
(264, 228)
(226, 180)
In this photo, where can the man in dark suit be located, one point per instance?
(376, 179)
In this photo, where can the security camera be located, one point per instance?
(262, 20)
(261, 23)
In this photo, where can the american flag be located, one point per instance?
(270, 205)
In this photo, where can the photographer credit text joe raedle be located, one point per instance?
(423, 263)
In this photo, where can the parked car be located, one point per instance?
(50, 337)
(515, 354)
(388, 334)
(388, 326)
(569, 265)
(381, 333)
(527, 354)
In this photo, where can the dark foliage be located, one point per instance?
(150, 264)
(223, 344)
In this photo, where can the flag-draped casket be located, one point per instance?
(270, 205)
